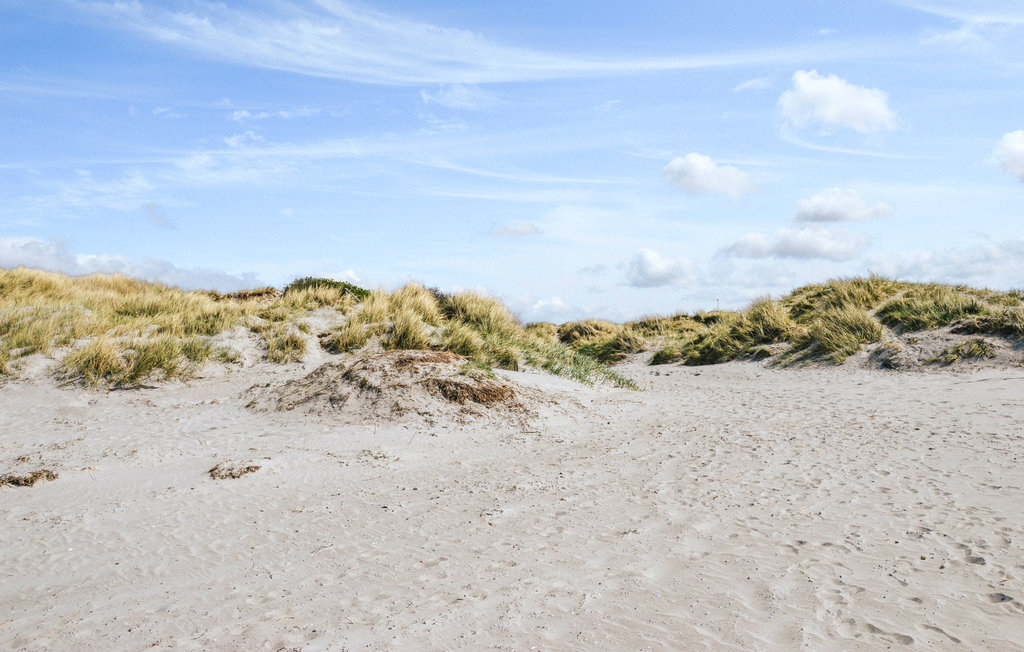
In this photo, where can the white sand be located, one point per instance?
(727, 507)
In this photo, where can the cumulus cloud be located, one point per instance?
(1010, 153)
(53, 256)
(699, 175)
(648, 269)
(993, 264)
(834, 102)
(807, 243)
(516, 230)
(838, 205)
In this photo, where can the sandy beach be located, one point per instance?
(728, 507)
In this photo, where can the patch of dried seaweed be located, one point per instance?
(27, 480)
(476, 391)
(231, 470)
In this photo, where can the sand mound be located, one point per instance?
(395, 385)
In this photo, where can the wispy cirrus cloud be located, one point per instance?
(976, 11)
(331, 38)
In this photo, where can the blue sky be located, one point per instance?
(574, 158)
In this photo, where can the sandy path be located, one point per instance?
(730, 507)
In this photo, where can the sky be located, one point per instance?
(580, 158)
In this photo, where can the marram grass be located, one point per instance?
(117, 331)
(120, 332)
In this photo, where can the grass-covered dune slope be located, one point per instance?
(116, 331)
(900, 322)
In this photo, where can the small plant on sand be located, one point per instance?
(349, 337)
(284, 345)
(974, 348)
(408, 331)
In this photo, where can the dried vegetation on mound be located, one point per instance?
(232, 470)
(390, 385)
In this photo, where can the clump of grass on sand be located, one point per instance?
(974, 348)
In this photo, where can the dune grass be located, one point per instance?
(123, 331)
(120, 332)
(971, 349)
(832, 321)
(478, 327)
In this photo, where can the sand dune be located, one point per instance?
(731, 507)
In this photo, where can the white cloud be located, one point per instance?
(124, 194)
(975, 11)
(834, 102)
(807, 243)
(648, 269)
(759, 83)
(460, 96)
(699, 175)
(838, 205)
(53, 256)
(335, 39)
(287, 114)
(241, 140)
(1010, 153)
(993, 264)
(518, 229)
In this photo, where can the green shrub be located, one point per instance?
(310, 282)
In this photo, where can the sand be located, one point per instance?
(733, 507)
